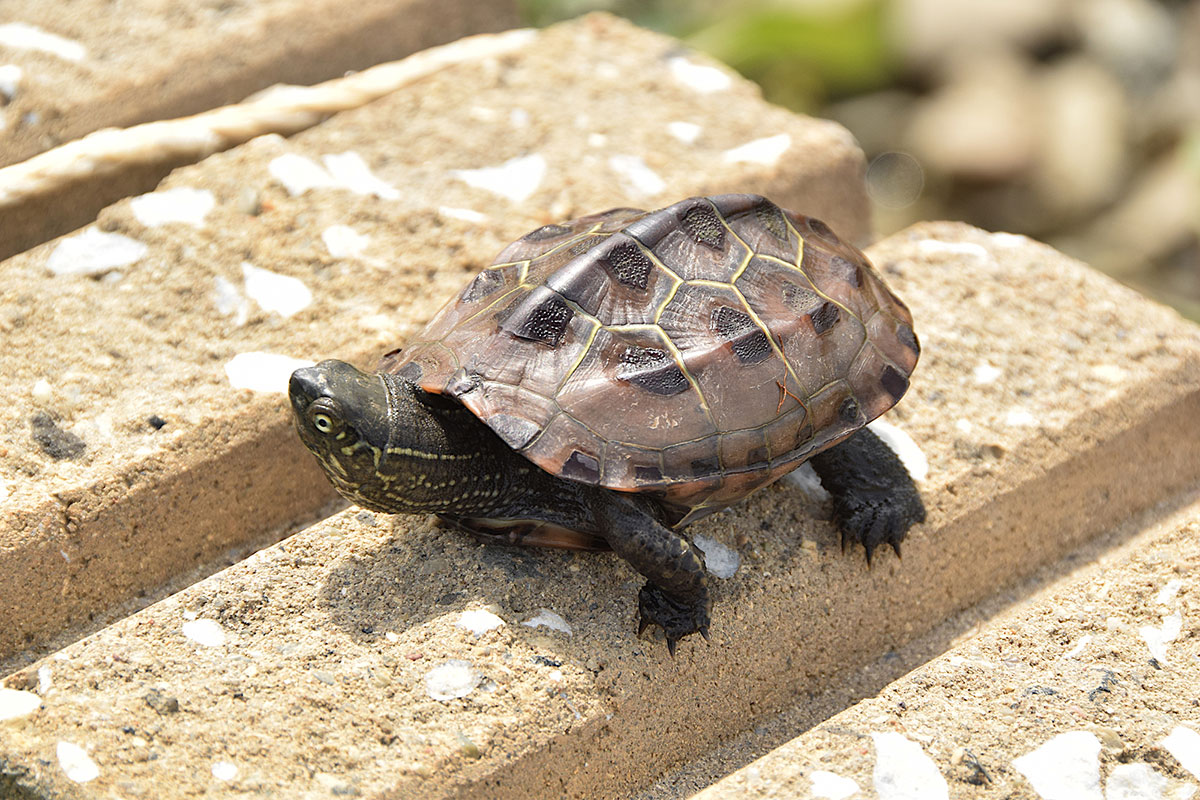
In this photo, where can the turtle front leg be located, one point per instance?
(675, 596)
(874, 497)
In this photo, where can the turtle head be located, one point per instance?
(342, 415)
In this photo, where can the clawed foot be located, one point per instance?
(874, 519)
(677, 617)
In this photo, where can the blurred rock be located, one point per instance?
(1082, 147)
(1158, 216)
(929, 33)
(1136, 38)
(982, 123)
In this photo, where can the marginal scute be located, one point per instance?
(653, 370)
(821, 229)
(546, 232)
(847, 271)
(848, 410)
(582, 467)
(648, 474)
(895, 383)
(908, 338)
(542, 317)
(516, 431)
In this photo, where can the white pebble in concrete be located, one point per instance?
(224, 770)
(207, 632)
(262, 372)
(451, 679)
(986, 373)
(10, 79)
(545, 618)
(904, 772)
(342, 241)
(465, 214)
(517, 179)
(184, 204)
(638, 178)
(1157, 639)
(75, 761)
(1134, 782)
(479, 621)
(831, 786)
(686, 132)
(1065, 768)
(299, 174)
(94, 252)
(15, 704)
(1167, 594)
(1184, 744)
(1020, 418)
(766, 151)
(22, 36)
(230, 301)
(912, 456)
(274, 292)
(349, 171)
(700, 77)
(719, 559)
(41, 390)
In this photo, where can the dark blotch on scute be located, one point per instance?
(704, 226)
(54, 441)
(546, 232)
(770, 216)
(895, 383)
(647, 475)
(581, 467)
(749, 342)
(703, 467)
(821, 229)
(908, 338)
(848, 271)
(485, 283)
(757, 456)
(515, 431)
(628, 264)
(540, 318)
(410, 372)
(848, 410)
(653, 370)
(825, 317)
(800, 300)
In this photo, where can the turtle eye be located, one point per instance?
(323, 416)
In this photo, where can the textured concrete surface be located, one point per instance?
(1050, 403)
(126, 455)
(1089, 688)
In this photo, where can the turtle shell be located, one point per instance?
(697, 352)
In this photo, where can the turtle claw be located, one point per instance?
(872, 520)
(678, 617)
(704, 633)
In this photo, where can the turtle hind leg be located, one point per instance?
(874, 498)
(675, 596)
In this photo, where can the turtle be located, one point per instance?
(611, 379)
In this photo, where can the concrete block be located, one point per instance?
(128, 454)
(1089, 686)
(97, 67)
(385, 656)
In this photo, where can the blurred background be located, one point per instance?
(1076, 122)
